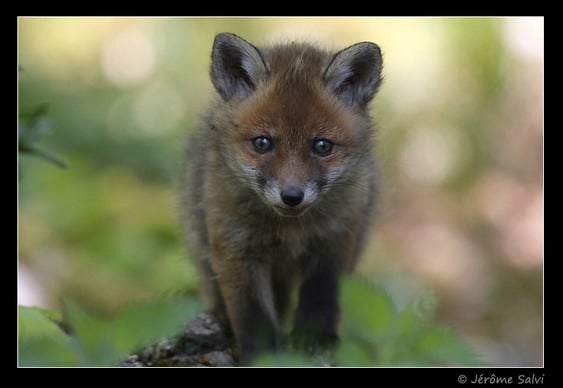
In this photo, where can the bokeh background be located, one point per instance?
(459, 139)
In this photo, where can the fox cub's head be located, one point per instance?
(293, 121)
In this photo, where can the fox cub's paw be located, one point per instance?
(314, 341)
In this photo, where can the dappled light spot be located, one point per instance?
(128, 58)
(431, 155)
(159, 107)
(515, 213)
(525, 37)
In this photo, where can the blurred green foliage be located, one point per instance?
(98, 341)
(374, 333)
(115, 247)
(31, 127)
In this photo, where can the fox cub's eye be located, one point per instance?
(262, 144)
(322, 147)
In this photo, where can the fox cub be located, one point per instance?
(279, 186)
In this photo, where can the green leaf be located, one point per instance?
(32, 126)
(41, 341)
(93, 336)
(106, 341)
(355, 353)
(34, 149)
(368, 311)
(443, 346)
(424, 306)
(142, 324)
(38, 323)
(374, 333)
(287, 359)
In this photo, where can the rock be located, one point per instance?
(204, 342)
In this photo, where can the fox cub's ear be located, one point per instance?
(355, 73)
(237, 66)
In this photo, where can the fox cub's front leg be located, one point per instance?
(247, 295)
(316, 321)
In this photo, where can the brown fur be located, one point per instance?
(251, 257)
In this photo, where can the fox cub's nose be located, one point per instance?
(292, 196)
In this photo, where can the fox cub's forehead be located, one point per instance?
(296, 60)
(294, 94)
